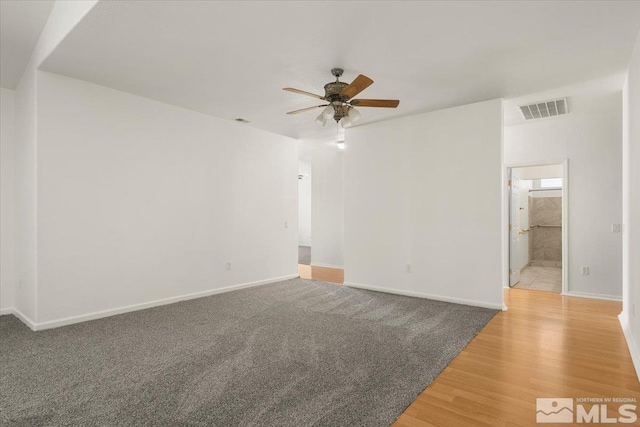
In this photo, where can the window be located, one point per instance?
(551, 183)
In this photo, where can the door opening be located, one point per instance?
(537, 227)
(304, 213)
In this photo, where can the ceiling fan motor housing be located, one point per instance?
(332, 91)
(332, 94)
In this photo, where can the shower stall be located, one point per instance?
(545, 230)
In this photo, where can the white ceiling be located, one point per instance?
(232, 59)
(21, 23)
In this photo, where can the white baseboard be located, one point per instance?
(593, 296)
(496, 306)
(315, 264)
(135, 307)
(633, 348)
(20, 315)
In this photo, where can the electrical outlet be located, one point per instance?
(228, 265)
(585, 271)
(286, 224)
(408, 268)
(615, 228)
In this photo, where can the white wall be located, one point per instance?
(630, 317)
(64, 16)
(304, 204)
(140, 201)
(590, 137)
(426, 190)
(327, 208)
(25, 175)
(7, 198)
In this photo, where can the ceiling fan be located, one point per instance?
(340, 103)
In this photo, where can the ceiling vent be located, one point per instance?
(541, 110)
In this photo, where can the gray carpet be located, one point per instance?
(294, 353)
(304, 255)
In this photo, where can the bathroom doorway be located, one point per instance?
(537, 227)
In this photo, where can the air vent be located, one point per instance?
(241, 120)
(541, 110)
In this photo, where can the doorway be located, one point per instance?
(537, 227)
(320, 212)
(304, 213)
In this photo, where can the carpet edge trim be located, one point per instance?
(483, 304)
(446, 366)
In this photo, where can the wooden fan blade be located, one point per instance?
(307, 109)
(302, 92)
(358, 85)
(386, 103)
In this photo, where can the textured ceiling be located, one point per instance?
(21, 23)
(232, 59)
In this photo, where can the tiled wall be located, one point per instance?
(545, 219)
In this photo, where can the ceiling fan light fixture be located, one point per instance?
(340, 102)
(354, 114)
(321, 119)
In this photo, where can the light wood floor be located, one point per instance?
(544, 345)
(324, 274)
